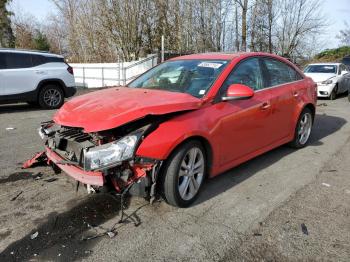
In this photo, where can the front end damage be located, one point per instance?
(104, 159)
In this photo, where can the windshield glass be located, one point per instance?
(194, 77)
(328, 69)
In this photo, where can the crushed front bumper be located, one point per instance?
(86, 177)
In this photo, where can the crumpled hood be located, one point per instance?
(113, 107)
(319, 77)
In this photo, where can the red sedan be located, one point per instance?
(185, 120)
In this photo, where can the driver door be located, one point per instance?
(244, 125)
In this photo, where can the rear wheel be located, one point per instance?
(303, 129)
(184, 174)
(51, 97)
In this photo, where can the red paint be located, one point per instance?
(236, 131)
(85, 177)
(239, 90)
(110, 108)
(38, 157)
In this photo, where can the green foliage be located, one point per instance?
(40, 42)
(7, 38)
(332, 55)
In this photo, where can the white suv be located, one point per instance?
(35, 77)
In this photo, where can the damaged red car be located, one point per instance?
(185, 120)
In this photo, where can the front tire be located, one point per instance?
(184, 174)
(303, 129)
(51, 97)
(333, 94)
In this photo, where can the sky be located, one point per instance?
(336, 11)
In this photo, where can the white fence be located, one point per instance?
(111, 74)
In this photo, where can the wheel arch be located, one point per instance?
(52, 81)
(312, 109)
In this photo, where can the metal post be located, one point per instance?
(118, 59)
(162, 59)
(124, 75)
(84, 77)
(103, 77)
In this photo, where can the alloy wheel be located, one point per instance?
(52, 97)
(305, 126)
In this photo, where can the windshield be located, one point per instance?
(328, 69)
(194, 77)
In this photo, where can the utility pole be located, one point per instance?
(162, 49)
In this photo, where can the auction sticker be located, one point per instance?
(210, 65)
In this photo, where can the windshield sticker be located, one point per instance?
(210, 65)
(202, 92)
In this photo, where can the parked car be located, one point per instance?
(346, 61)
(331, 78)
(35, 77)
(165, 137)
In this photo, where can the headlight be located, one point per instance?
(110, 154)
(327, 82)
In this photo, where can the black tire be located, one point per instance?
(349, 96)
(55, 101)
(333, 94)
(171, 175)
(296, 142)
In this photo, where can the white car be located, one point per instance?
(331, 78)
(35, 77)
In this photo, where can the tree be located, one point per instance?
(6, 35)
(344, 35)
(40, 42)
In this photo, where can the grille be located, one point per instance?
(73, 134)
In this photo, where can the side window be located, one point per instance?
(17, 60)
(247, 73)
(51, 59)
(279, 73)
(2, 61)
(38, 60)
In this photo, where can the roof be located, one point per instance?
(222, 55)
(27, 51)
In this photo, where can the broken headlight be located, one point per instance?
(111, 154)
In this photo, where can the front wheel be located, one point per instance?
(333, 94)
(303, 129)
(184, 174)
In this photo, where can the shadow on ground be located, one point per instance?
(62, 237)
(324, 126)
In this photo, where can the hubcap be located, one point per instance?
(52, 97)
(305, 128)
(191, 173)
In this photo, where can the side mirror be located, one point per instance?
(344, 72)
(238, 92)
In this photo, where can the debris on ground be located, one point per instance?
(304, 229)
(10, 128)
(322, 104)
(257, 234)
(325, 184)
(332, 170)
(37, 176)
(35, 235)
(16, 196)
(39, 157)
(111, 234)
(51, 180)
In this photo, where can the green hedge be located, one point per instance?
(333, 55)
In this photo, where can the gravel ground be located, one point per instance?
(285, 205)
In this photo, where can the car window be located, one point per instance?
(279, 73)
(38, 60)
(194, 77)
(2, 61)
(247, 73)
(16, 60)
(326, 69)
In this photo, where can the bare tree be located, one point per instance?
(344, 35)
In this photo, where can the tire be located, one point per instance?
(51, 97)
(333, 94)
(349, 96)
(299, 141)
(178, 185)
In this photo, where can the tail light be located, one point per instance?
(70, 70)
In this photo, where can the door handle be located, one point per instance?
(39, 72)
(295, 94)
(265, 105)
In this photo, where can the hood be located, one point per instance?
(319, 77)
(113, 107)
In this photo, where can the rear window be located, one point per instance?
(346, 61)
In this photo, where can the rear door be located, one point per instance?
(286, 86)
(19, 76)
